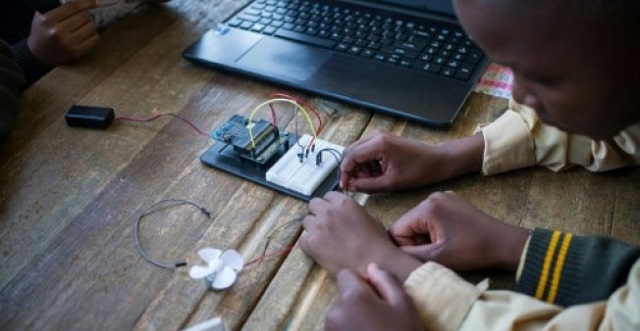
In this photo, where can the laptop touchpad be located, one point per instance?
(278, 57)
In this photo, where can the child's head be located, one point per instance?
(577, 62)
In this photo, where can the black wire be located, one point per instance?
(334, 152)
(336, 155)
(277, 230)
(151, 210)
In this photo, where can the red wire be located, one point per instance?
(306, 105)
(266, 256)
(155, 116)
(273, 115)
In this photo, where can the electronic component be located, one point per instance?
(301, 169)
(296, 166)
(89, 116)
(266, 138)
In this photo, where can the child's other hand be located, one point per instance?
(385, 162)
(63, 34)
(447, 229)
(358, 306)
(340, 234)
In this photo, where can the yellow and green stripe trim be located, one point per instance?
(552, 266)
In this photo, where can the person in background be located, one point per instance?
(575, 104)
(10, 81)
(42, 41)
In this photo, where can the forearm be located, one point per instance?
(463, 156)
(400, 264)
(508, 249)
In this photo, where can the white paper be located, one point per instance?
(110, 11)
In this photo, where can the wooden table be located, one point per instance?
(69, 197)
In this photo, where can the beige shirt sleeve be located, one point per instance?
(447, 302)
(441, 297)
(505, 310)
(518, 139)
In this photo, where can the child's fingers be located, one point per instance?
(428, 252)
(359, 153)
(87, 44)
(81, 20)
(70, 9)
(350, 285)
(387, 285)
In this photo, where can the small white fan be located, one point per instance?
(221, 270)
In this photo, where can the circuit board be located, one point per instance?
(257, 141)
(273, 158)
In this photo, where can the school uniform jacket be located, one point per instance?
(10, 81)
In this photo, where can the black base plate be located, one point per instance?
(223, 157)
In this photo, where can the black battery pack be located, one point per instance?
(89, 116)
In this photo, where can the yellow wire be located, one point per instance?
(304, 111)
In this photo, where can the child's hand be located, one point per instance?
(63, 34)
(449, 230)
(385, 162)
(342, 235)
(386, 306)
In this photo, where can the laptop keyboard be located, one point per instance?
(435, 47)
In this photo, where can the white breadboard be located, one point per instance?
(305, 176)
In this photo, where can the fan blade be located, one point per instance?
(209, 254)
(224, 279)
(198, 271)
(232, 259)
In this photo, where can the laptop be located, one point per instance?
(407, 58)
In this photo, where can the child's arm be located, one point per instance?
(559, 268)
(57, 36)
(564, 271)
(386, 162)
(63, 34)
(519, 139)
(447, 229)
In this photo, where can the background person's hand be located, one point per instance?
(340, 234)
(63, 34)
(386, 162)
(447, 229)
(382, 305)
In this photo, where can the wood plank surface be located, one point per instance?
(70, 198)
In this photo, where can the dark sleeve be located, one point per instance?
(30, 67)
(10, 81)
(566, 270)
